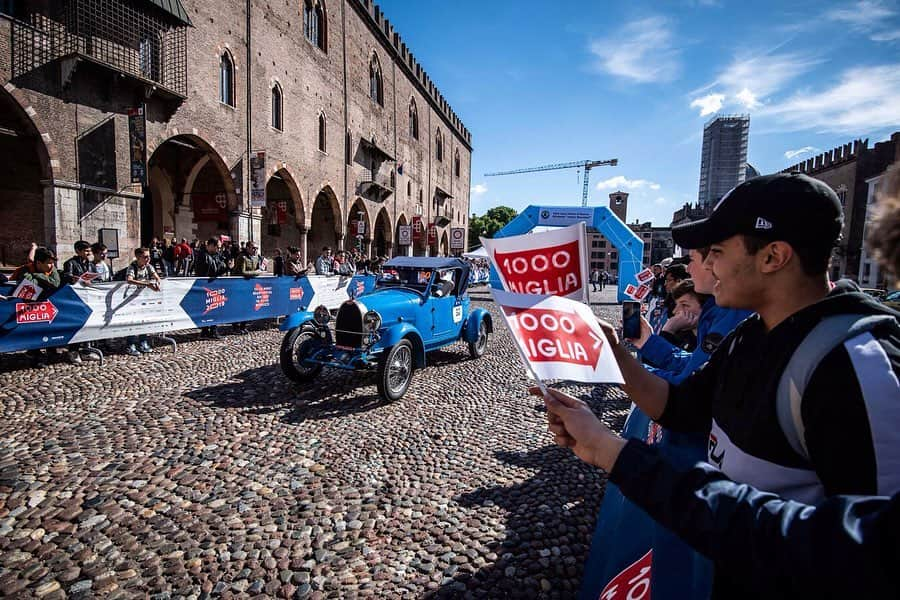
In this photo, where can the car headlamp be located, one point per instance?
(372, 320)
(322, 315)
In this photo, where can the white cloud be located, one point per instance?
(747, 98)
(620, 182)
(640, 52)
(478, 189)
(885, 36)
(748, 81)
(867, 16)
(863, 14)
(661, 201)
(799, 151)
(708, 104)
(863, 99)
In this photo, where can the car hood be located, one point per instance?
(393, 303)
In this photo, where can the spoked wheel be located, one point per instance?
(298, 344)
(477, 348)
(395, 370)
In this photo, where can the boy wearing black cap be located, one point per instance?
(802, 399)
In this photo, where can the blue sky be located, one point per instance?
(547, 82)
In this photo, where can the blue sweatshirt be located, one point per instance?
(674, 364)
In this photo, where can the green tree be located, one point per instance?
(489, 223)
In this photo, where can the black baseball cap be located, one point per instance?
(791, 207)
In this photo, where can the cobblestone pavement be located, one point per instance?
(205, 473)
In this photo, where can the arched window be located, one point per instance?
(393, 179)
(226, 80)
(456, 163)
(321, 28)
(277, 108)
(309, 22)
(409, 189)
(439, 146)
(347, 148)
(322, 136)
(376, 86)
(413, 120)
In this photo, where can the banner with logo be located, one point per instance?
(116, 309)
(258, 179)
(457, 238)
(137, 144)
(558, 338)
(562, 217)
(553, 262)
(404, 235)
(432, 234)
(209, 206)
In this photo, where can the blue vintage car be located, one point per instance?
(418, 305)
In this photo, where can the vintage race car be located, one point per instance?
(418, 305)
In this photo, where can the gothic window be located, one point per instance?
(409, 188)
(347, 148)
(456, 163)
(439, 147)
(376, 85)
(413, 120)
(277, 108)
(322, 137)
(226, 80)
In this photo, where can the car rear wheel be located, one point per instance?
(295, 346)
(395, 370)
(478, 347)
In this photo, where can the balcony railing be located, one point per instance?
(143, 43)
(375, 187)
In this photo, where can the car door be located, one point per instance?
(446, 310)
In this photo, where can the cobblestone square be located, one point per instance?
(205, 472)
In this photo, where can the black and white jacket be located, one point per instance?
(850, 409)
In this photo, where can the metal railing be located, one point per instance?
(112, 33)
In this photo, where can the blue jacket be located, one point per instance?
(674, 364)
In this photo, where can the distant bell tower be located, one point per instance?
(618, 203)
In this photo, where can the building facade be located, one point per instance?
(309, 123)
(723, 159)
(604, 256)
(847, 170)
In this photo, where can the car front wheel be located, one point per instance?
(478, 347)
(395, 370)
(296, 346)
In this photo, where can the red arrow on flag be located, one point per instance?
(555, 336)
(35, 312)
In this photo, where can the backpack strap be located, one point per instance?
(824, 337)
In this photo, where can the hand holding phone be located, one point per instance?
(631, 320)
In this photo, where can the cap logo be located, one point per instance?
(763, 224)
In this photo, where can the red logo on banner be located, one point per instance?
(296, 294)
(262, 294)
(556, 336)
(631, 584)
(432, 235)
(555, 270)
(215, 299)
(417, 228)
(35, 312)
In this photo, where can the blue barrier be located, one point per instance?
(77, 313)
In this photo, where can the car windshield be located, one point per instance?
(416, 279)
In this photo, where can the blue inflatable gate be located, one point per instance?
(601, 218)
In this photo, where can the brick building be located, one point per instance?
(604, 255)
(358, 140)
(847, 170)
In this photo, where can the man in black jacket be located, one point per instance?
(770, 240)
(212, 263)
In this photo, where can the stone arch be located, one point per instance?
(190, 191)
(382, 234)
(325, 226)
(353, 240)
(283, 217)
(398, 249)
(29, 161)
(445, 244)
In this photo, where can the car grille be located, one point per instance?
(349, 320)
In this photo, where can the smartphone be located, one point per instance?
(631, 320)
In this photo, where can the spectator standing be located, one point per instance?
(81, 263)
(277, 263)
(212, 263)
(40, 270)
(294, 266)
(101, 266)
(183, 255)
(343, 266)
(325, 264)
(141, 273)
(247, 264)
(596, 280)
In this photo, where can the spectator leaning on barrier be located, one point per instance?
(81, 263)
(40, 270)
(141, 273)
(294, 266)
(247, 264)
(844, 547)
(827, 427)
(277, 263)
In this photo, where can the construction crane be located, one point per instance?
(587, 165)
